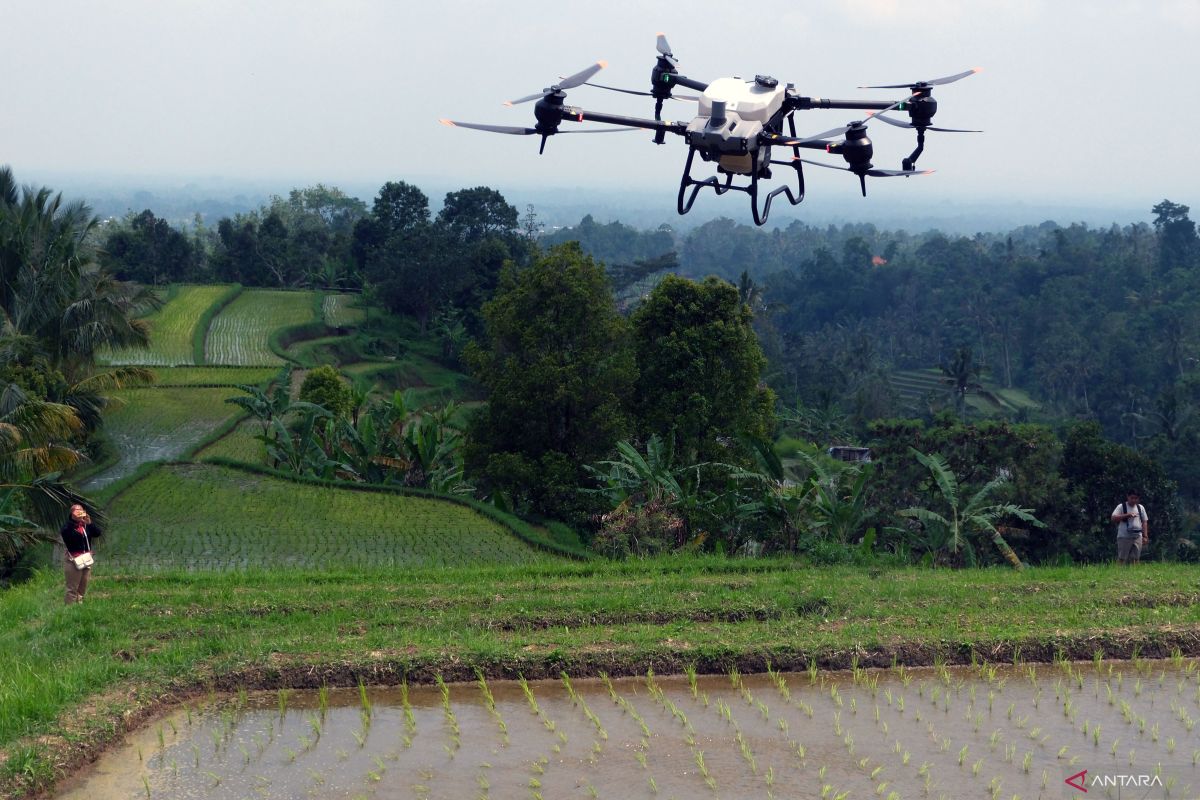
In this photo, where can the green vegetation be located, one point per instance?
(559, 369)
(242, 443)
(209, 517)
(172, 329)
(240, 334)
(141, 637)
(157, 424)
(342, 310)
(212, 376)
(919, 389)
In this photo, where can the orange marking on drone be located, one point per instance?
(603, 64)
(447, 122)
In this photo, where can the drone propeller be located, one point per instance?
(693, 98)
(664, 49)
(862, 174)
(879, 116)
(569, 82)
(926, 84)
(526, 131)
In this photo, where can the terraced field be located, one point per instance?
(239, 444)
(240, 334)
(161, 423)
(213, 376)
(916, 387)
(172, 329)
(338, 312)
(200, 516)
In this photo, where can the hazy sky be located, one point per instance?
(1081, 101)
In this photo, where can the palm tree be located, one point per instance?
(951, 531)
(33, 457)
(962, 375)
(52, 292)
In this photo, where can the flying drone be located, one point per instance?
(737, 124)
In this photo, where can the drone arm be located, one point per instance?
(572, 114)
(682, 80)
(809, 103)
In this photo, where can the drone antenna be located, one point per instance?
(542, 149)
(862, 179)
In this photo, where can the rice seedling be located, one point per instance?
(282, 701)
(146, 785)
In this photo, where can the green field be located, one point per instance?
(338, 311)
(240, 334)
(213, 376)
(198, 516)
(240, 444)
(172, 329)
(73, 678)
(161, 423)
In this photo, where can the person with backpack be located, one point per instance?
(1133, 529)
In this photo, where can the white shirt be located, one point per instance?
(1131, 528)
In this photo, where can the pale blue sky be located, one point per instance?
(1081, 101)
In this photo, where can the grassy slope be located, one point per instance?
(207, 517)
(141, 638)
(172, 328)
(239, 335)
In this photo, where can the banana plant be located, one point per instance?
(949, 531)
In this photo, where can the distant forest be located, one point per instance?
(1094, 324)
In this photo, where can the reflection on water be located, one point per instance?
(895, 735)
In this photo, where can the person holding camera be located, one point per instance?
(1133, 529)
(78, 534)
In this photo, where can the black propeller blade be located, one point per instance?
(923, 84)
(862, 175)
(525, 131)
(569, 82)
(874, 173)
(640, 94)
(490, 128)
(879, 116)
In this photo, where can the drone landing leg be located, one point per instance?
(794, 199)
(687, 180)
(910, 163)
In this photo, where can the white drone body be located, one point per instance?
(731, 115)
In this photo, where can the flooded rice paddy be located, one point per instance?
(898, 734)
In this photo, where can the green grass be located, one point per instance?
(73, 671)
(200, 516)
(172, 329)
(161, 423)
(213, 376)
(240, 334)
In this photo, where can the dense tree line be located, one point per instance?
(414, 262)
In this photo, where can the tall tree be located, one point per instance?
(558, 367)
(699, 366)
